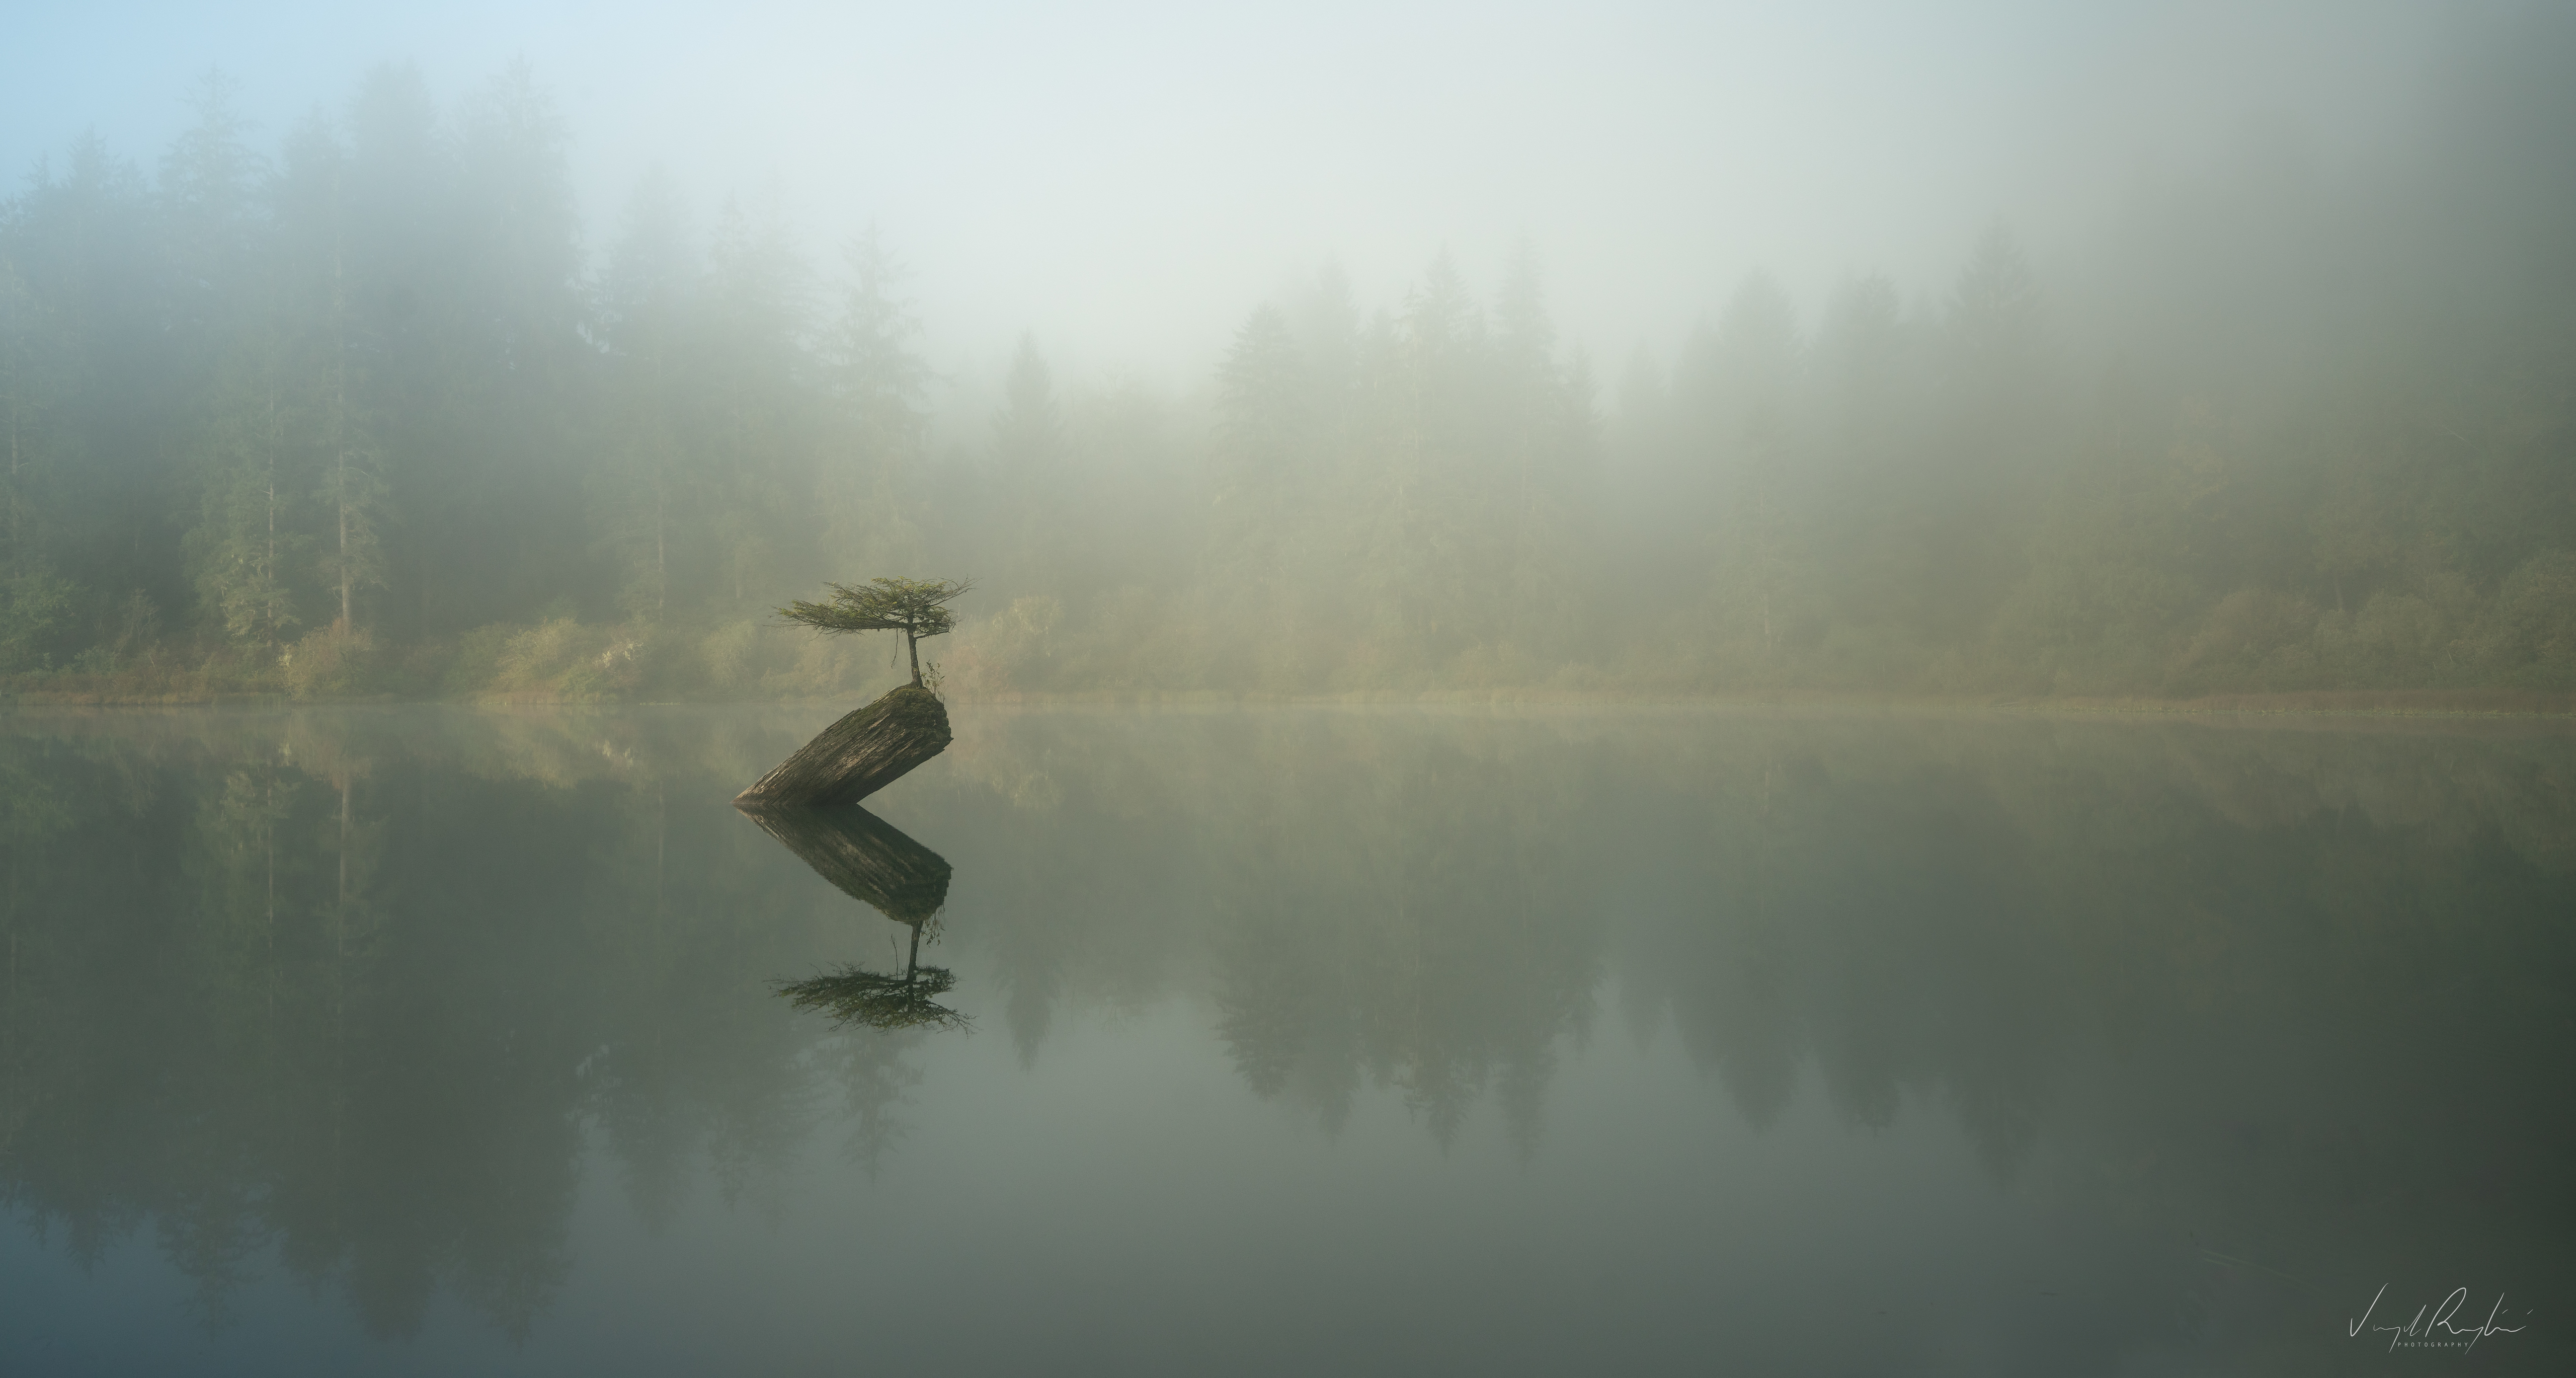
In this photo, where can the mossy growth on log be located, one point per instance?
(864, 752)
(865, 857)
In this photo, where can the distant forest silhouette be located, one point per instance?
(357, 415)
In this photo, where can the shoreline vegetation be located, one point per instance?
(2397, 703)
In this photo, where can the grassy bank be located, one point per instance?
(201, 689)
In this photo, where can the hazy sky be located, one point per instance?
(1127, 180)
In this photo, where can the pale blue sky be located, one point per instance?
(1129, 179)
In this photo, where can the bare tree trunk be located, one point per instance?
(268, 568)
(340, 406)
(344, 541)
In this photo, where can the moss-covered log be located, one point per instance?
(859, 755)
(869, 859)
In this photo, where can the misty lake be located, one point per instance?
(1298, 1041)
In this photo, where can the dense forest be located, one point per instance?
(364, 413)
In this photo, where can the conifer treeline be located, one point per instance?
(359, 416)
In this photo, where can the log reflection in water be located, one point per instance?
(871, 860)
(863, 856)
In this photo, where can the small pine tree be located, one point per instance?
(915, 607)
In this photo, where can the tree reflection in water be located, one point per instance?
(872, 861)
(855, 995)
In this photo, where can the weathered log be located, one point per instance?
(867, 858)
(864, 752)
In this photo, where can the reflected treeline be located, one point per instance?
(343, 989)
(2266, 988)
(2286, 1001)
(2275, 991)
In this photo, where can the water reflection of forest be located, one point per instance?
(2262, 982)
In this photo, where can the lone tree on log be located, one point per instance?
(918, 608)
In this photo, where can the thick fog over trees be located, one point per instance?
(360, 406)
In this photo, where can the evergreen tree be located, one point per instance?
(1262, 407)
(639, 488)
(760, 432)
(255, 473)
(1028, 478)
(210, 182)
(1028, 431)
(33, 600)
(880, 385)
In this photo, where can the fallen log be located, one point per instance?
(864, 752)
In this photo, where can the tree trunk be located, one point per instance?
(859, 755)
(344, 542)
(912, 648)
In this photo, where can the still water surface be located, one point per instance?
(423, 1040)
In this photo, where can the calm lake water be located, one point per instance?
(425, 1040)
